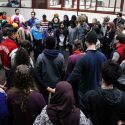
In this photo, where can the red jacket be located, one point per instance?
(6, 48)
(121, 51)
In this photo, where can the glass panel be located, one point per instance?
(72, 4)
(124, 7)
(87, 4)
(118, 4)
(10, 3)
(41, 4)
(26, 3)
(54, 3)
(105, 5)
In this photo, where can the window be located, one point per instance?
(26, 3)
(88, 4)
(41, 4)
(10, 3)
(102, 6)
(54, 3)
(71, 4)
(106, 5)
(124, 6)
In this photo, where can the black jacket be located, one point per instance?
(104, 107)
(121, 21)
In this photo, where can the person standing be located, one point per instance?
(119, 54)
(62, 37)
(24, 102)
(17, 14)
(61, 110)
(50, 65)
(73, 35)
(44, 22)
(5, 17)
(119, 19)
(7, 46)
(32, 20)
(37, 34)
(88, 68)
(105, 105)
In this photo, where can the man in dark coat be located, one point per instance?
(105, 105)
(88, 68)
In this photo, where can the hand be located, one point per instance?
(4, 87)
(120, 123)
(51, 90)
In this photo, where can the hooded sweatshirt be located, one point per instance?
(104, 106)
(50, 66)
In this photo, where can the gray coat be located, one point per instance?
(50, 68)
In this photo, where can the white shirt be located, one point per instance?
(21, 18)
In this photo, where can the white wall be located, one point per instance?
(39, 12)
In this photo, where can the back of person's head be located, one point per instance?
(106, 19)
(78, 45)
(22, 77)
(65, 90)
(91, 37)
(61, 107)
(120, 38)
(8, 30)
(50, 43)
(23, 82)
(111, 71)
(63, 97)
(22, 57)
(119, 14)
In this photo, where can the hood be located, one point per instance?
(37, 29)
(51, 53)
(112, 96)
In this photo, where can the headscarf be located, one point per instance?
(61, 110)
(17, 19)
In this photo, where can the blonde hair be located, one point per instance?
(81, 19)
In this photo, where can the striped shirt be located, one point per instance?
(44, 24)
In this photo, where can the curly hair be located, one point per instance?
(23, 82)
(22, 57)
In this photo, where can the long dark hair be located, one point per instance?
(23, 82)
(22, 57)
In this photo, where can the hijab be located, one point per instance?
(61, 110)
(17, 19)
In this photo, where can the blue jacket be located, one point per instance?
(37, 33)
(4, 115)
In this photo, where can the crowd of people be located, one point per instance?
(44, 87)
